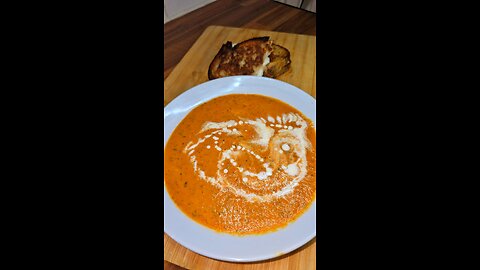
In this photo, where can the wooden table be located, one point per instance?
(182, 75)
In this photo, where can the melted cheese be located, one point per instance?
(260, 69)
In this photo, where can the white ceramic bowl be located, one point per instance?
(222, 246)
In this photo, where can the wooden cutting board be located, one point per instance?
(193, 68)
(191, 71)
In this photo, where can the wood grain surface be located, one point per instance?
(180, 34)
(303, 258)
(191, 71)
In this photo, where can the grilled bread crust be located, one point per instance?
(257, 56)
(279, 62)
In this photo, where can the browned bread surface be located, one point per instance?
(248, 58)
(279, 62)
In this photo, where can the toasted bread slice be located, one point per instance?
(279, 62)
(256, 56)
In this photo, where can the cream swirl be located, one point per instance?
(280, 145)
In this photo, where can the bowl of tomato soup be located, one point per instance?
(240, 168)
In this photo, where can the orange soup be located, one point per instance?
(242, 164)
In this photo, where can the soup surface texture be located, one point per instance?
(242, 164)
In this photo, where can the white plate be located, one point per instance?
(221, 246)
